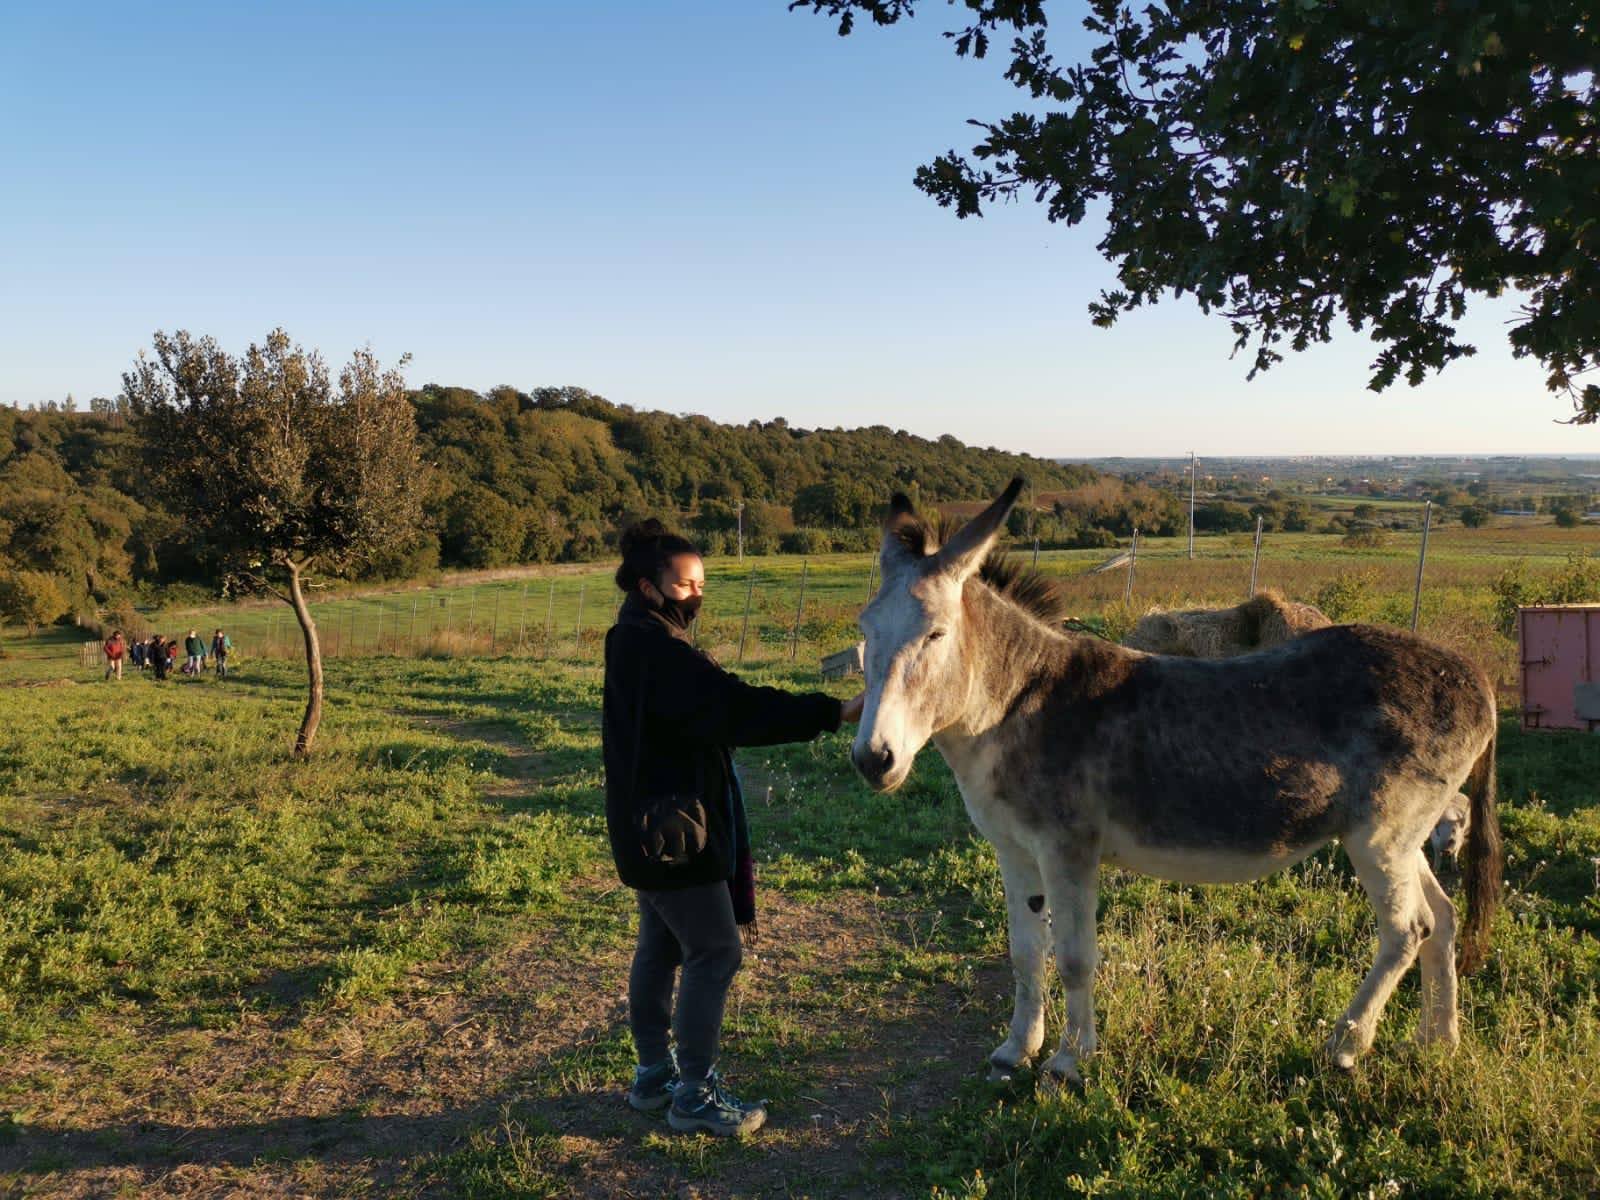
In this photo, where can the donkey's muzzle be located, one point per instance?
(874, 763)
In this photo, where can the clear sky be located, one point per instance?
(693, 205)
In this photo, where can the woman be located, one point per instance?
(677, 821)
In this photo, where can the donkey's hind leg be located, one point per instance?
(1439, 1019)
(1028, 924)
(1388, 875)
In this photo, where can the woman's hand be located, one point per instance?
(851, 709)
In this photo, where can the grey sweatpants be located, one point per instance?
(691, 928)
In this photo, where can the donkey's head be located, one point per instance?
(918, 655)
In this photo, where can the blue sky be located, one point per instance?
(695, 205)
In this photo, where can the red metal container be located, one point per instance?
(1560, 666)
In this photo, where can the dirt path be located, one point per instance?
(517, 1050)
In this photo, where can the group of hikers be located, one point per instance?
(159, 654)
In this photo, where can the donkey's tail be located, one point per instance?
(1483, 862)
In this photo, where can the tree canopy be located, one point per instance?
(274, 470)
(1288, 161)
(506, 477)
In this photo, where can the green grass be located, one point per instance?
(170, 877)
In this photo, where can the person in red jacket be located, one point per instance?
(114, 648)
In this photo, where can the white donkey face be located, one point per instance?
(918, 676)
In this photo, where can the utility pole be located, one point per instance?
(1033, 513)
(1194, 472)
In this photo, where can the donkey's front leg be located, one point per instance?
(1071, 884)
(1027, 923)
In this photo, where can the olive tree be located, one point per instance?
(278, 472)
(1288, 161)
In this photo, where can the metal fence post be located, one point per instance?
(872, 580)
(377, 633)
(522, 617)
(577, 637)
(413, 637)
(494, 622)
(1422, 558)
(1255, 559)
(1194, 474)
(799, 609)
(744, 628)
(1133, 559)
(549, 615)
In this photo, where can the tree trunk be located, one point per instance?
(308, 628)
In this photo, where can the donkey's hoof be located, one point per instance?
(1445, 1041)
(1341, 1055)
(1342, 1051)
(1003, 1072)
(1060, 1077)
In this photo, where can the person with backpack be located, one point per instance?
(221, 643)
(114, 650)
(136, 653)
(677, 823)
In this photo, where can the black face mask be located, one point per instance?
(679, 613)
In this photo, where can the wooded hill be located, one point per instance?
(513, 477)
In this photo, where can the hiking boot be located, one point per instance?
(653, 1086)
(707, 1106)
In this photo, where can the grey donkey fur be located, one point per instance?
(1266, 619)
(1071, 751)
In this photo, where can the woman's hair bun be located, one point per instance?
(641, 534)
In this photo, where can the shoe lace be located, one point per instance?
(722, 1097)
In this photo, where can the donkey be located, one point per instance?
(1071, 751)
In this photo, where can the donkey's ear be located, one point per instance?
(905, 536)
(964, 553)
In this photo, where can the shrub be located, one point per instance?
(805, 541)
(1365, 537)
(1577, 582)
(1350, 595)
(855, 541)
(1093, 538)
(32, 599)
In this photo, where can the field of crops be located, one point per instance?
(399, 968)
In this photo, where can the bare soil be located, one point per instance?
(340, 1103)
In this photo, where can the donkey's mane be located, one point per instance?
(1030, 590)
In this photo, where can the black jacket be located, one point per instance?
(692, 712)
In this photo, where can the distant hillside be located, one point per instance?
(514, 477)
(548, 474)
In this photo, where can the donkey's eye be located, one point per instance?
(935, 635)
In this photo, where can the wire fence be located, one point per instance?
(775, 610)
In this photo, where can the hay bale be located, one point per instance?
(1264, 620)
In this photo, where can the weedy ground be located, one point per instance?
(398, 969)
